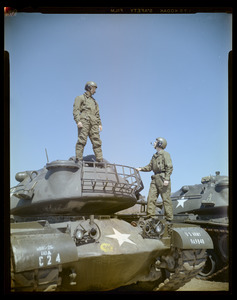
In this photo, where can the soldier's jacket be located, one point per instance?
(160, 163)
(86, 108)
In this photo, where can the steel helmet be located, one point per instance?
(89, 84)
(161, 143)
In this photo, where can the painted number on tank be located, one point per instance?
(58, 259)
(195, 240)
(46, 258)
(187, 233)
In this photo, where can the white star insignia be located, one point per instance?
(181, 202)
(120, 237)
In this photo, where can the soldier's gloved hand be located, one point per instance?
(100, 127)
(79, 124)
(166, 182)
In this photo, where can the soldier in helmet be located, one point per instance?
(87, 117)
(162, 167)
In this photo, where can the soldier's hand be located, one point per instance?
(79, 124)
(166, 182)
(100, 127)
(138, 169)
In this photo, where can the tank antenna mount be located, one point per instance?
(46, 155)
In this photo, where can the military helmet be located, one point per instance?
(89, 84)
(161, 143)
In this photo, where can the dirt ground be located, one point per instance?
(204, 285)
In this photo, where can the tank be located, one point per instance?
(206, 204)
(66, 235)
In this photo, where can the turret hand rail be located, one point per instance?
(110, 178)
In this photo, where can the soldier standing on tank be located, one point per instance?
(162, 167)
(87, 117)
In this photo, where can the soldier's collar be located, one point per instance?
(88, 96)
(158, 153)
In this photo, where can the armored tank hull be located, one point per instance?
(100, 254)
(206, 205)
(65, 236)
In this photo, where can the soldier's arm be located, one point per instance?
(97, 114)
(168, 166)
(147, 168)
(77, 109)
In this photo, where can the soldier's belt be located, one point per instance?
(158, 173)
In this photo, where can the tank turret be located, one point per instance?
(64, 187)
(206, 204)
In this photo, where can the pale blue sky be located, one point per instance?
(157, 75)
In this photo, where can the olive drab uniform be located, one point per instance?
(86, 111)
(162, 166)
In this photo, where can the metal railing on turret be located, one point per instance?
(110, 178)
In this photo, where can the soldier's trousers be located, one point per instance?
(157, 188)
(92, 131)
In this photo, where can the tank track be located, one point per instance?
(219, 235)
(189, 264)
